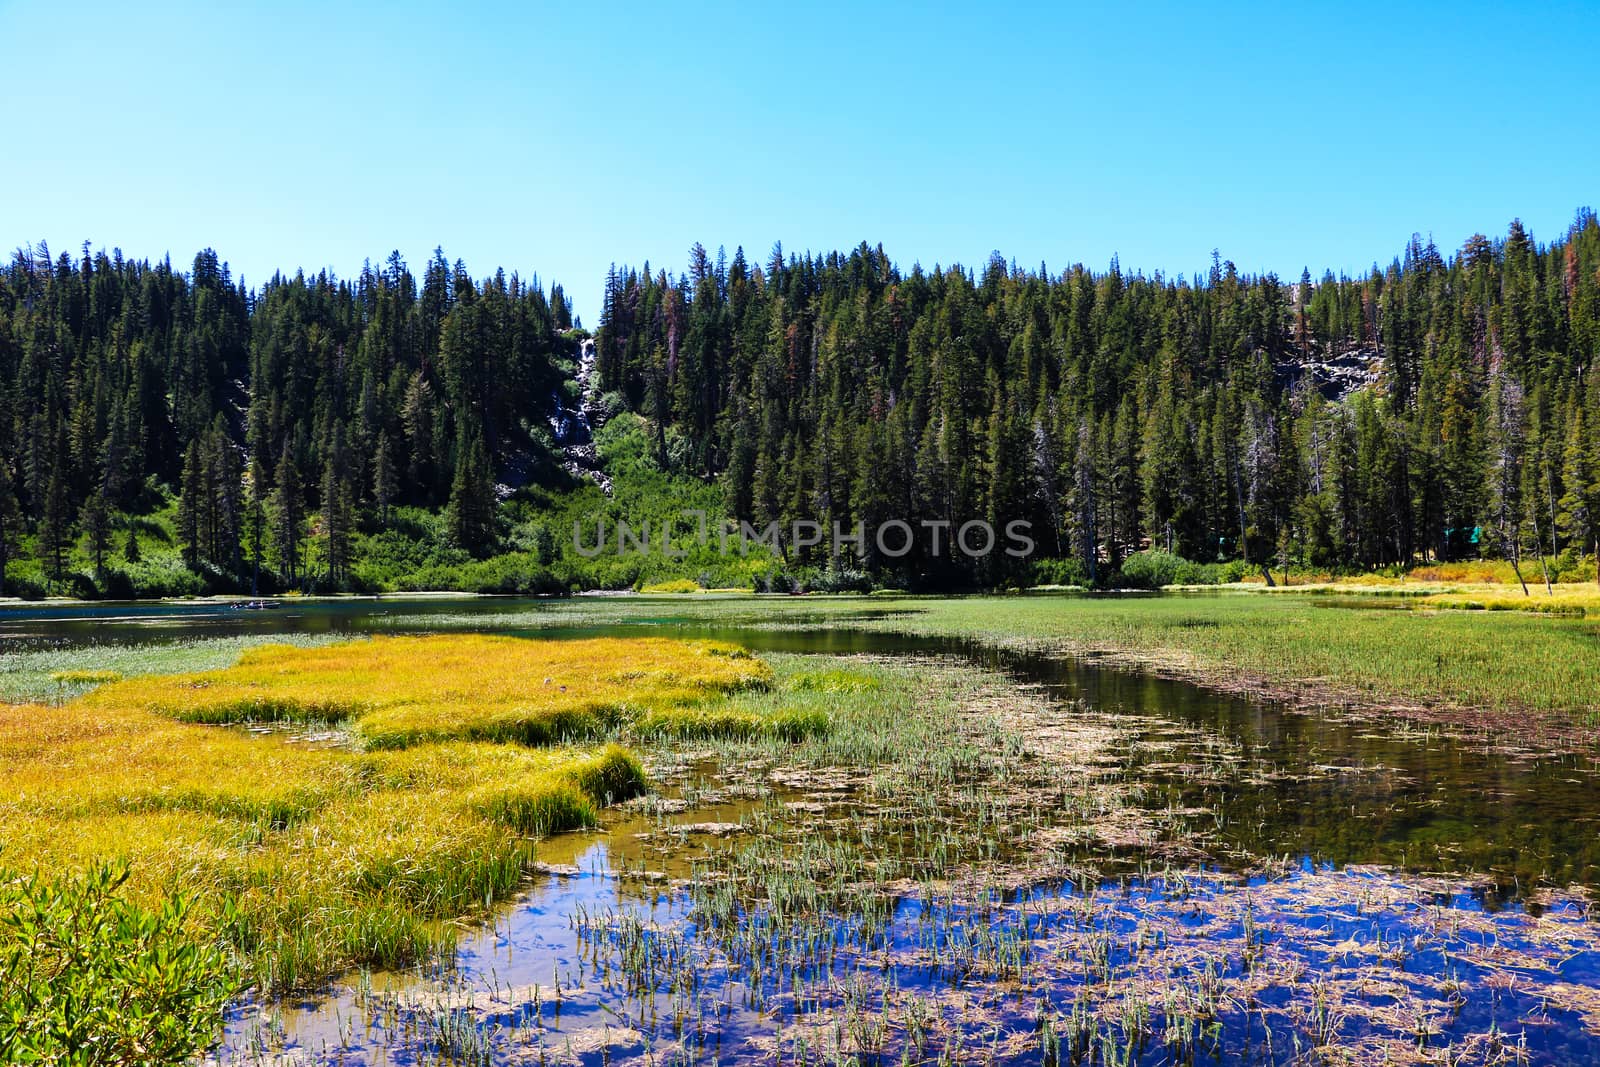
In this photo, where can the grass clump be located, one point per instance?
(798, 705)
(402, 691)
(675, 585)
(85, 677)
(539, 802)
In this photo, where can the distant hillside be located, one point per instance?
(173, 431)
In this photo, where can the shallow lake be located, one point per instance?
(1443, 875)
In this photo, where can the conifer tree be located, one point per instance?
(470, 516)
(55, 532)
(385, 479)
(10, 521)
(336, 512)
(96, 522)
(287, 517)
(192, 504)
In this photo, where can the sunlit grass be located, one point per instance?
(1569, 599)
(308, 859)
(307, 856)
(1501, 662)
(1316, 648)
(676, 585)
(54, 673)
(401, 691)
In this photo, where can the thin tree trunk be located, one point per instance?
(1550, 495)
(1516, 567)
(1538, 539)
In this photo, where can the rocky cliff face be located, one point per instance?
(574, 425)
(1335, 374)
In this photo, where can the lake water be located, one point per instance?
(1436, 883)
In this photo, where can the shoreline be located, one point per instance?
(1507, 725)
(1539, 733)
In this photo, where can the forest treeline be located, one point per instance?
(1119, 411)
(269, 423)
(283, 434)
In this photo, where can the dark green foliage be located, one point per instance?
(96, 522)
(10, 523)
(287, 517)
(88, 977)
(338, 511)
(1117, 412)
(281, 418)
(55, 525)
(1112, 412)
(472, 504)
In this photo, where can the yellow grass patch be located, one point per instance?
(1566, 599)
(308, 858)
(676, 585)
(399, 691)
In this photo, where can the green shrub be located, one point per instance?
(1191, 573)
(1151, 569)
(88, 977)
(1058, 572)
(837, 577)
(1234, 570)
(775, 580)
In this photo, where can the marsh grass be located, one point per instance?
(799, 704)
(449, 758)
(1291, 646)
(401, 691)
(1565, 601)
(41, 674)
(925, 903)
(308, 858)
(940, 787)
(1307, 648)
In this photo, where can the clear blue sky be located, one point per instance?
(557, 139)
